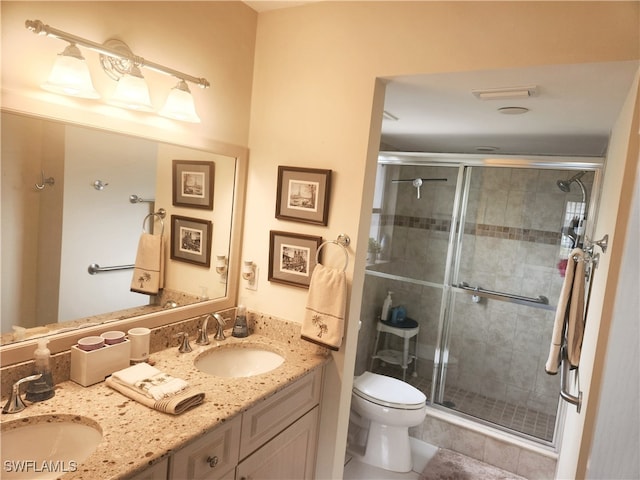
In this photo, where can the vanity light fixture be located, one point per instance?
(121, 64)
(70, 75)
(250, 274)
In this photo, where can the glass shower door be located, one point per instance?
(505, 284)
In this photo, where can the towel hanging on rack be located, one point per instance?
(148, 271)
(324, 316)
(568, 327)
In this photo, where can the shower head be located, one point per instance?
(565, 185)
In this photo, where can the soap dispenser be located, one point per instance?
(240, 329)
(41, 389)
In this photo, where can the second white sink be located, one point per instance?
(240, 360)
(46, 447)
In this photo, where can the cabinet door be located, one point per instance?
(265, 420)
(289, 455)
(211, 457)
(155, 472)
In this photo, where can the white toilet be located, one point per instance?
(391, 406)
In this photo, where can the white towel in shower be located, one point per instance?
(324, 315)
(568, 325)
(148, 271)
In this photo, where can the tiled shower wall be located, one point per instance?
(511, 244)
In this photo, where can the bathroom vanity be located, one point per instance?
(247, 427)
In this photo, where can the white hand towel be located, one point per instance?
(149, 381)
(148, 271)
(324, 316)
(569, 314)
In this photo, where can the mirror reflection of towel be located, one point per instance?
(148, 271)
(323, 322)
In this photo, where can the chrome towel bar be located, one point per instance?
(541, 299)
(94, 268)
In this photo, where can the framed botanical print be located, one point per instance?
(191, 240)
(193, 184)
(292, 257)
(303, 194)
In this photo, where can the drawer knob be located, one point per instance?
(212, 461)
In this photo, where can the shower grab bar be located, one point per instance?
(541, 299)
(94, 268)
(564, 374)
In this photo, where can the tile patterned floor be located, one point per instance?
(519, 418)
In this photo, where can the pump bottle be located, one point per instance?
(41, 389)
(386, 308)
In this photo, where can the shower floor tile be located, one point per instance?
(519, 418)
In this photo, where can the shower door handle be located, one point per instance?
(541, 299)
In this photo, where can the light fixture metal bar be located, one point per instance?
(38, 27)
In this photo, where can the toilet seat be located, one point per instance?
(388, 392)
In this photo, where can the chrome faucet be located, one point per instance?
(220, 326)
(15, 403)
(203, 338)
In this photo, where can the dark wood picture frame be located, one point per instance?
(292, 257)
(193, 184)
(303, 194)
(191, 240)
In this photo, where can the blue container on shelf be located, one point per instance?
(398, 314)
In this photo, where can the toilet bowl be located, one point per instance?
(391, 406)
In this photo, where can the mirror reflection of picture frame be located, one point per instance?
(191, 240)
(303, 194)
(193, 184)
(292, 257)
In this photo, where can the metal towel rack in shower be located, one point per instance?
(540, 299)
(592, 260)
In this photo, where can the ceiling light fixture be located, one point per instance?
(513, 110)
(506, 93)
(121, 64)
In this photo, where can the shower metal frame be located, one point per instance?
(465, 164)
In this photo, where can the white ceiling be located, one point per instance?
(572, 113)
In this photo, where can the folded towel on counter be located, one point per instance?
(148, 271)
(155, 389)
(324, 316)
(568, 325)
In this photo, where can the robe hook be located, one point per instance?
(45, 181)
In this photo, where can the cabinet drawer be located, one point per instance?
(155, 472)
(211, 457)
(290, 455)
(265, 420)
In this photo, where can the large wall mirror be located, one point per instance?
(73, 196)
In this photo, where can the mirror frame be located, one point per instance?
(59, 342)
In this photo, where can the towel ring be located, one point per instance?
(336, 242)
(160, 214)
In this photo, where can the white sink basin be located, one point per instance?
(238, 361)
(44, 447)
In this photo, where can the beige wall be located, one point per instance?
(313, 97)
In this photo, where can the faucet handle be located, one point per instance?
(185, 347)
(15, 403)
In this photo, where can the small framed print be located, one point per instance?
(191, 240)
(292, 258)
(303, 194)
(193, 184)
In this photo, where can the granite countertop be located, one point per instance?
(135, 437)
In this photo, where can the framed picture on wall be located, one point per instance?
(292, 257)
(191, 240)
(193, 184)
(303, 194)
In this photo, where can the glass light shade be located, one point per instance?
(132, 92)
(70, 75)
(179, 104)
